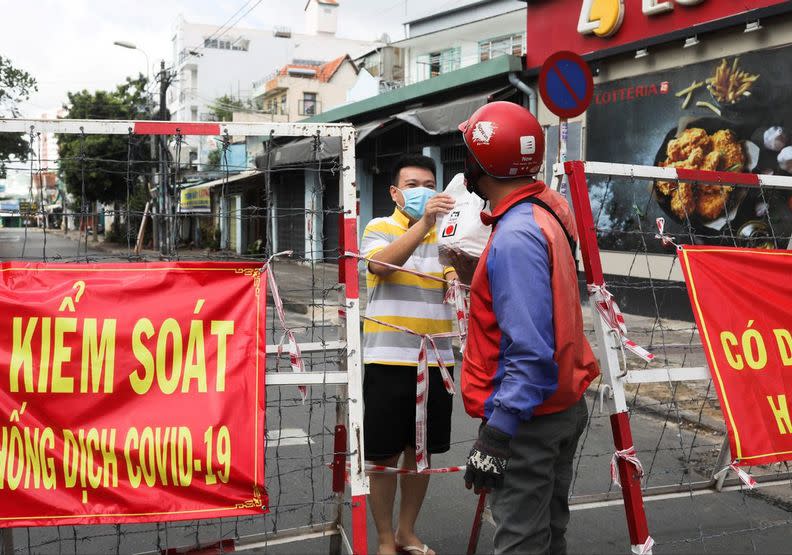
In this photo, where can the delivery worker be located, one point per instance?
(527, 362)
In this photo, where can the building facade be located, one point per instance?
(662, 69)
(395, 108)
(465, 35)
(299, 91)
(239, 61)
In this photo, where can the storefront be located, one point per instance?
(672, 76)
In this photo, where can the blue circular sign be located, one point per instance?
(566, 84)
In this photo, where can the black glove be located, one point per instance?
(487, 460)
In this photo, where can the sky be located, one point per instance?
(68, 45)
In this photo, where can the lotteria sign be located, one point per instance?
(596, 28)
(605, 17)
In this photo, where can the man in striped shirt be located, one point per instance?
(407, 238)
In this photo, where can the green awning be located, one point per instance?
(465, 76)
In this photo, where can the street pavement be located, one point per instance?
(300, 445)
(35, 245)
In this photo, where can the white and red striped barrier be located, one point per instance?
(147, 127)
(679, 174)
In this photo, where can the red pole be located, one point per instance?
(348, 275)
(475, 532)
(359, 533)
(620, 423)
(630, 480)
(339, 458)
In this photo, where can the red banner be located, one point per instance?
(742, 300)
(131, 392)
(588, 26)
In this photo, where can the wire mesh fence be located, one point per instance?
(674, 413)
(107, 199)
(165, 208)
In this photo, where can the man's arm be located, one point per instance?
(464, 265)
(397, 252)
(519, 274)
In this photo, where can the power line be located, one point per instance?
(219, 29)
(225, 27)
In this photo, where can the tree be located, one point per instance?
(214, 158)
(98, 166)
(16, 86)
(223, 108)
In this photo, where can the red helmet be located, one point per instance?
(505, 139)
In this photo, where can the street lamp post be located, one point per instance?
(132, 46)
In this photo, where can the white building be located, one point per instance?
(209, 64)
(472, 31)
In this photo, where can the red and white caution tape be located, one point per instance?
(612, 314)
(665, 239)
(422, 384)
(295, 355)
(647, 545)
(746, 478)
(457, 297)
(629, 456)
(456, 293)
(405, 270)
(380, 469)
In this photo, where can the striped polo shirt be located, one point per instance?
(404, 299)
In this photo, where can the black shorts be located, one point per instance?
(389, 415)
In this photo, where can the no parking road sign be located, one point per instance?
(566, 84)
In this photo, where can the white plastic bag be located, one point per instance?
(461, 229)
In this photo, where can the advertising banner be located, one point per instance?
(195, 199)
(131, 392)
(727, 114)
(601, 27)
(741, 299)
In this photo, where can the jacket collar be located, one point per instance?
(513, 198)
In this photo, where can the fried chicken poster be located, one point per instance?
(727, 114)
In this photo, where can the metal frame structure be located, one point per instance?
(614, 376)
(349, 417)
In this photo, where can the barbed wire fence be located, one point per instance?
(304, 423)
(692, 501)
(676, 424)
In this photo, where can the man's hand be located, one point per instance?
(439, 205)
(487, 461)
(464, 264)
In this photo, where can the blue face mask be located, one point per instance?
(415, 201)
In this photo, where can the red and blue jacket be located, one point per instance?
(526, 352)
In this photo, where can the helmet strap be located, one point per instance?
(473, 172)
